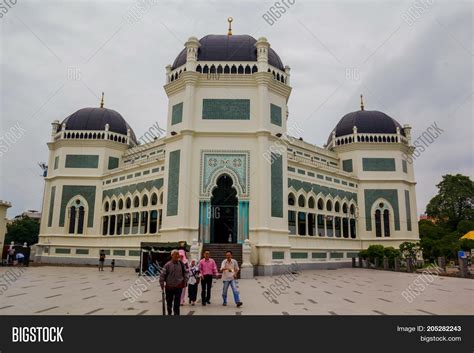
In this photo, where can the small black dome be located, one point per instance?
(229, 48)
(96, 119)
(366, 121)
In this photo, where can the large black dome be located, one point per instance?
(366, 121)
(228, 48)
(95, 119)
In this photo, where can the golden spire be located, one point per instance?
(229, 32)
(102, 101)
(361, 102)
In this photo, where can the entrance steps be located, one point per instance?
(218, 252)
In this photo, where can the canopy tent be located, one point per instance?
(468, 235)
(153, 256)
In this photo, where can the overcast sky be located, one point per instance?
(416, 68)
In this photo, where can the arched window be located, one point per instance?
(329, 206)
(114, 205)
(136, 202)
(320, 204)
(120, 204)
(291, 199)
(72, 220)
(161, 199)
(106, 206)
(119, 224)
(145, 201)
(128, 203)
(382, 219)
(112, 225)
(154, 199)
(344, 208)
(301, 201)
(80, 220)
(337, 207)
(337, 227)
(311, 202)
(378, 224)
(153, 221)
(386, 223)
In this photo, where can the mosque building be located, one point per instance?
(228, 174)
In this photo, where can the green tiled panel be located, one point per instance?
(177, 114)
(306, 186)
(123, 190)
(378, 164)
(371, 195)
(134, 253)
(318, 255)
(301, 171)
(291, 169)
(113, 163)
(107, 252)
(56, 162)
(62, 251)
(277, 185)
(226, 109)
(408, 209)
(320, 176)
(299, 255)
(51, 206)
(347, 165)
(404, 166)
(311, 174)
(173, 183)
(278, 255)
(337, 255)
(275, 114)
(119, 252)
(352, 254)
(69, 191)
(82, 251)
(82, 161)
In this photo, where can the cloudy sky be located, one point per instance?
(410, 59)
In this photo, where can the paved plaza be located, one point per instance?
(86, 291)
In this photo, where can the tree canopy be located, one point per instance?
(454, 202)
(23, 230)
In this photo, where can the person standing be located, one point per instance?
(193, 282)
(230, 269)
(173, 279)
(101, 260)
(207, 269)
(184, 260)
(112, 266)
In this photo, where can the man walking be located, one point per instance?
(208, 269)
(101, 260)
(173, 279)
(230, 269)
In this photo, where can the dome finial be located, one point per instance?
(229, 32)
(102, 101)
(361, 102)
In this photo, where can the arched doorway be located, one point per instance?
(224, 211)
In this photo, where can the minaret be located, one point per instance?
(262, 54)
(102, 100)
(361, 102)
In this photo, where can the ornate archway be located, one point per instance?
(224, 211)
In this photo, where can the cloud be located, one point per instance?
(418, 74)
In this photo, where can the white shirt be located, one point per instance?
(233, 268)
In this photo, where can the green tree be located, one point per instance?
(23, 230)
(454, 202)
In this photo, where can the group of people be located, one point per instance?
(15, 259)
(102, 260)
(178, 274)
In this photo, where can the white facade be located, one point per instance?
(226, 128)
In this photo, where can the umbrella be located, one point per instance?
(468, 235)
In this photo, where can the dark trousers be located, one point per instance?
(173, 300)
(192, 292)
(206, 284)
